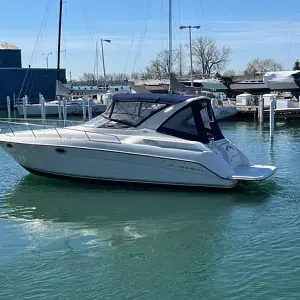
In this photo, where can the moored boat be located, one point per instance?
(141, 138)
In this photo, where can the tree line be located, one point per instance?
(208, 60)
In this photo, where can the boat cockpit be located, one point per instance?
(193, 120)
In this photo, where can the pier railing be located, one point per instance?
(11, 128)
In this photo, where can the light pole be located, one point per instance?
(103, 62)
(191, 56)
(47, 59)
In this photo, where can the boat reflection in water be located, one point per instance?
(62, 201)
(93, 236)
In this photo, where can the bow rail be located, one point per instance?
(13, 128)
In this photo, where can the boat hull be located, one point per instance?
(225, 112)
(106, 181)
(114, 166)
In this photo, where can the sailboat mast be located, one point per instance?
(170, 42)
(97, 64)
(59, 39)
(180, 60)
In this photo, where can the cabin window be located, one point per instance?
(211, 126)
(181, 125)
(195, 122)
(134, 113)
(125, 114)
(206, 119)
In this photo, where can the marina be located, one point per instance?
(126, 175)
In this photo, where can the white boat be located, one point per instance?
(73, 107)
(141, 138)
(222, 109)
(282, 80)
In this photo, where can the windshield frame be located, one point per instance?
(203, 132)
(108, 114)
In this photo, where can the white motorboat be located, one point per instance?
(222, 109)
(282, 80)
(73, 107)
(141, 138)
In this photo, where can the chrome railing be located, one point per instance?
(46, 122)
(14, 128)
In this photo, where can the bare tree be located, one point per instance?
(111, 79)
(118, 78)
(229, 73)
(87, 79)
(135, 75)
(159, 68)
(147, 73)
(261, 66)
(208, 57)
(181, 63)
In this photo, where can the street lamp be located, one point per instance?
(47, 58)
(103, 63)
(191, 57)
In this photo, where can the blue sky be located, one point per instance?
(256, 28)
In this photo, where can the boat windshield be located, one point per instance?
(195, 122)
(126, 113)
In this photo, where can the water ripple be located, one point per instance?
(81, 241)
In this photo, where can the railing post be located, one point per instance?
(84, 108)
(8, 108)
(59, 107)
(272, 116)
(261, 109)
(43, 108)
(25, 101)
(64, 111)
(14, 104)
(90, 109)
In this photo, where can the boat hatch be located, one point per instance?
(195, 122)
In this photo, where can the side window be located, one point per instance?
(210, 126)
(181, 125)
(206, 119)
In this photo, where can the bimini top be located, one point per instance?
(150, 97)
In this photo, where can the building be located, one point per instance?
(17, 82)
(10, 56)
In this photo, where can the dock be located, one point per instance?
(281, 114)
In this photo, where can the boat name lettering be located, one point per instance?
(191, 169)
(224, 112)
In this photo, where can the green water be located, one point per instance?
(66, 240)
